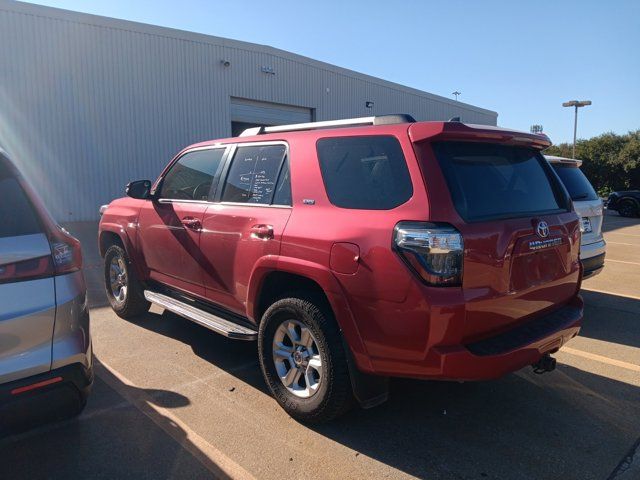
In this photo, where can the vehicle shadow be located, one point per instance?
(569, 424)
(119, 435)
(611, 318)
(236, 357)
(566, 424)
(613, 221)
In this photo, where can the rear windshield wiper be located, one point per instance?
(580, 197)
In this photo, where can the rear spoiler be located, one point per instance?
(422, 131)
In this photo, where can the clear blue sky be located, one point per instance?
(519, 58)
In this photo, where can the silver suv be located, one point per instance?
(44, 318)
(589, 208)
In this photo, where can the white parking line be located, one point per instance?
(620, 233)
(620, 243)
(622, 261)
(211, 458)
(599, 358)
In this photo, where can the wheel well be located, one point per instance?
(107, 239)
(277, 284)
(631, 200)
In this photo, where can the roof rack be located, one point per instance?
(347, 122)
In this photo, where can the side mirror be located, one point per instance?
(140, 189)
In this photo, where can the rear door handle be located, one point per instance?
(192, 223)
(262, 232)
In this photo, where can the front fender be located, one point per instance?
(122, 220)
(331, 287)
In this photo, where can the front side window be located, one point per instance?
(253, 174)
(367, 173)
(193, 175)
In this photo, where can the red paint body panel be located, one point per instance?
(392, 322)
(231, 249)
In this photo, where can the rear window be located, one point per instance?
(489, 181)
(17, 215)
(575, 182)
(368, 173)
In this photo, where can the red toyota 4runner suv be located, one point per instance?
(356, 250)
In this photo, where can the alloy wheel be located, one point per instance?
(118, 278)
(297, 358)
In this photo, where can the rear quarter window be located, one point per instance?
(368, 173)
(17, 215)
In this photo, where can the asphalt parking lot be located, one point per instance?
(173, 400)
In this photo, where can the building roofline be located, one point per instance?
(131, 26)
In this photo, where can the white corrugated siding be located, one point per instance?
(89, 103)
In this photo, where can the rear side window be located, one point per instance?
(489, 181)
(17, 215)
(193, 175)
(576, 183)
(253, 174)
(368, 173)
(282, 195)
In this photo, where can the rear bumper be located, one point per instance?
(495, 356)
(516, 348)
(592, 266)
(76, 376)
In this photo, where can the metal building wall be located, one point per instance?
(89, 103)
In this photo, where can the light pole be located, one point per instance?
(456, 93)
(577, 104)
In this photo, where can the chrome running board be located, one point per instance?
(206, 319)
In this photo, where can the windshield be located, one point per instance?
(576, 183)
(489, 181)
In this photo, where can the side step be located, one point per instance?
(206, 319)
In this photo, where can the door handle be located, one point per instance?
(192, 223)
(262, 232)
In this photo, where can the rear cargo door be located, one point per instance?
(521, 240)
(586, 202)
(27, 295)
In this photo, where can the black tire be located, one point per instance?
(333, 396)
(77, 406)
(133, 303)
(628, 208)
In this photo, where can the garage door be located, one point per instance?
(264, 113)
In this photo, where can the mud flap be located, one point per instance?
(369, 390)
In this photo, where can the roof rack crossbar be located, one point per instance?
(347, 122)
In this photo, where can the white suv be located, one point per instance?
(589, 207)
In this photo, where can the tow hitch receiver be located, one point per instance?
(546, 364)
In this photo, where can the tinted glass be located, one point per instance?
(490, 181)
(282, 196)
(192, 176)
(253, 174)
(364, 172)
(576, 183)
(17, 216)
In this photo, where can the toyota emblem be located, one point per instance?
(542, 229)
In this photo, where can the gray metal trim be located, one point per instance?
(206, 319)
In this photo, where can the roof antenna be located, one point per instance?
(455, 119)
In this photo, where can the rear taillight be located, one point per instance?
(65, 251)
(434, 251)
(27, 269)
